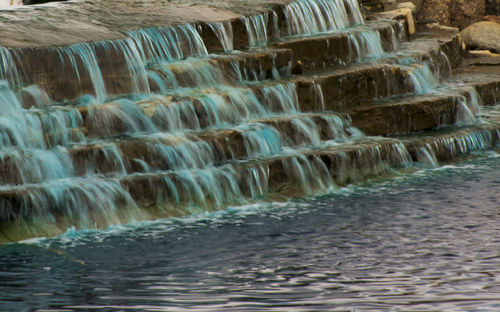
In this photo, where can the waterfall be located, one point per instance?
(451, 146)
(421, 74)
(256, 26)
(166, 44)
(367, 45)
(315, 16)
(224, 32)
(8, 69)
(84, 55)
(158, 127)
(469, 107)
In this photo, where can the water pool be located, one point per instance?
(426, 241)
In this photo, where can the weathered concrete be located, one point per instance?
(68, 23)
(375, 95)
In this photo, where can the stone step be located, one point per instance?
(195, 149)
(163, 191)
(450, 143)
(486, 84)
(225, 69)
(260, 64)
(166, 194)
(357, 85)
(176, 150)
(60, 82)
(413, 114)
(241, 104)
(196, 112)
(339, 48)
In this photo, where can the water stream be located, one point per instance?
(188, 131)
(147, 174)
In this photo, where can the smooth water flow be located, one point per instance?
(305, 17)
(256, 26)
(152, 174)
(161, 128)
(224, 32)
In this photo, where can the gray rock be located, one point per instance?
(482, 35)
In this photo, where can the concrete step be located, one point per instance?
(298, 173)
(179, 193)
(451, 143)
(168, 193)
(413, 114)
(341, 47)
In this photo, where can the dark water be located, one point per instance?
(423, 241)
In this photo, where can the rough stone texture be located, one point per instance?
(405, 117)
(482, 35)
(373, 5)
(418, 5)
(435, 11)
(65, 23)
(492, 18)
(403, 12)
(459, 13)
(492, 7)
(466, 12)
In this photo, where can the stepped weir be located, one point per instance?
(166, 121)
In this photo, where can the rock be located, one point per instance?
(373, 5)
(298, 68)
(466, 12)
(459, 13)
(417, 4)
(403, 10)
(433, 11)
(492, 18)
(483, 35)
(492, 7)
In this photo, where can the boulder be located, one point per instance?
(459, 13)
(466, 12)
(492, 7)
(373, 5)
(417, 4)
(492, 18)
(403, 10)
(483, 35)
(388, 5)
(435, 11)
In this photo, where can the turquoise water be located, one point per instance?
(427, 240)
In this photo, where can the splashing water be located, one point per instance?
(315, 16)
(224, 32)
(367, 45)
(166, 44)
(8, 69)
(256, 26)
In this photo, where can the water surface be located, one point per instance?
(423, 241)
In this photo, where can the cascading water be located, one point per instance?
(8, 69)
(367, 45)
(305, 17)
(224, 32)
(192, 132)
(166, 44)
(256, 26)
